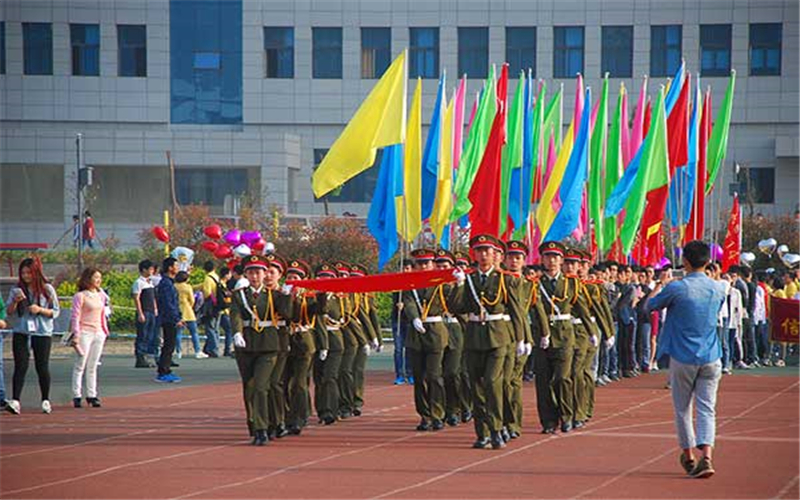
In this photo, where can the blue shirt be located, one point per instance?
(690, 331)
(39, 325)
(167, 297)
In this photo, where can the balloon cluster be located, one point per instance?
(234, 243)
(770, 246)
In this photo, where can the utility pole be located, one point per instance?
(78, 144)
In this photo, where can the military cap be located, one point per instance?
(254, 261)
(358, 270)
(573, 254)
(299, 267)
(422, 254)
(516, 246)
(443, 255)
(325, 271)
(586, 256)
(275, 261)
(486, 240)
(555, 247)
(461, 259)
(342, 267)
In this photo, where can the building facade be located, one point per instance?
(247, 95)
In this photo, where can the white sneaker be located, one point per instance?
(13, 407)
(200, 355)
(180, 355)
(46, 407)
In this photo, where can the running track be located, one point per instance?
(190, 442)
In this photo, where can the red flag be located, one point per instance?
(647, 112)
(485, 191)
(696, 227)
(678, 129)
(733, 242)
(388, 282)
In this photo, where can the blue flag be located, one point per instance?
(619, 196)
(430, 155)
(382, 218)
(674, 90)
(571, 190)
(681, 189)
(519, 201)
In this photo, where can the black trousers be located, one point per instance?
(41, 357)
(164, 362)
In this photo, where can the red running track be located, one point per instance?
(190, 442)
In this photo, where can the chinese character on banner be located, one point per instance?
(784, 315)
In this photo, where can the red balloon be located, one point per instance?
(210, 246)
(258, 245)
(233, 263)
(213, 231)
(223, 252)
(161, 234)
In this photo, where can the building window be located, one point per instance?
(423, 53)
(132, 50)
(209, 186)
(666, 49)
(567, 51)
(359, 189)
(765, 49)
(37, 48)
(521, 50)
(376, 51)
(715, 49)
(206, 61)
(617, 51)
(473, 52)
(2, 48)
(758, 185)
(327, 47)
(85, 41)
(279, 52)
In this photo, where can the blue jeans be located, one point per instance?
(749, 340)
(695, 384)
(192, 327)
(146, 335)
(612, 358)
(643, 336)
(225, 325)
(731, 348)
(762, 340)
(211, 325)
(402, 365)
(2, 377)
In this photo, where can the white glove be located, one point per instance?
(375, 344)
(323, 354)
(528, 349)
(520, 348)
(366, 349)
(287, 289)
(544, 343)
(610, 342)
(238, 341)
(593, 340)
(459, 276)
(418, 326)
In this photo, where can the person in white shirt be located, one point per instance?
(733, 353)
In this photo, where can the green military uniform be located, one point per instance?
(277, 390)
(600, 310)
(255, 314)
(354, 342)
(330, 317)
(489, 299)
(367, 320)
(465, 386)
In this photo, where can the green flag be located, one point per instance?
(596, 164)
(552, 121)
(474, 148)
(718, 142)
(512, 152)
(612, 174)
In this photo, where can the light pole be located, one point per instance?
(78, 144)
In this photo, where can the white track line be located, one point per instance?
(787, 487)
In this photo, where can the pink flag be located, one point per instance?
(532, 239)
(637, 135)
(625, 133)
(458, 123)
(472, 114)
(576, 116)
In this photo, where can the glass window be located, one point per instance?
(473, 52)
(206, 61)
(85, 41)
(132, 50)
(617, 51)
(278, 52)
(765, 48)
(423, 53)
(2, 48)
(327, 47)
(666, 49)
(521, 50)
(209, 186)
(376, 51)
(758, 184)
(37, 48)
(567, 51)
(359, 189)
(715, 49)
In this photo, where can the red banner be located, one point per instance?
(784, 314)
(731, 251)
(388, 282)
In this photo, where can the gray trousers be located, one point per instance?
(695, 384)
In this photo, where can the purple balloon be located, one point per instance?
(233, 237)
(250, 237)
(664, 262)
(716, 252)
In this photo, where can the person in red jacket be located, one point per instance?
(88, 230)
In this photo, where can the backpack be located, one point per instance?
(222, 298)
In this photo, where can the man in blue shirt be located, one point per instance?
(690, 338)
(170, 316)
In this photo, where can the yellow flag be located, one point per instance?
(443, 204)
(409, 220)
(379, 121)
(546, 213)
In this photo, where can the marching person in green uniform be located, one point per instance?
(304, 341)
(367, 317)
(489, 297)
(463, 263)
(255, 314)
(331, 316)
(425, 310)
(451, 362)
(561, 299)
(352, 336)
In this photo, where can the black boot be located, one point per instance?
(260, 438)
(497, 441)
(93, 402)
(76, 402)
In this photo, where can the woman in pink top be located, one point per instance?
(89, 329)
